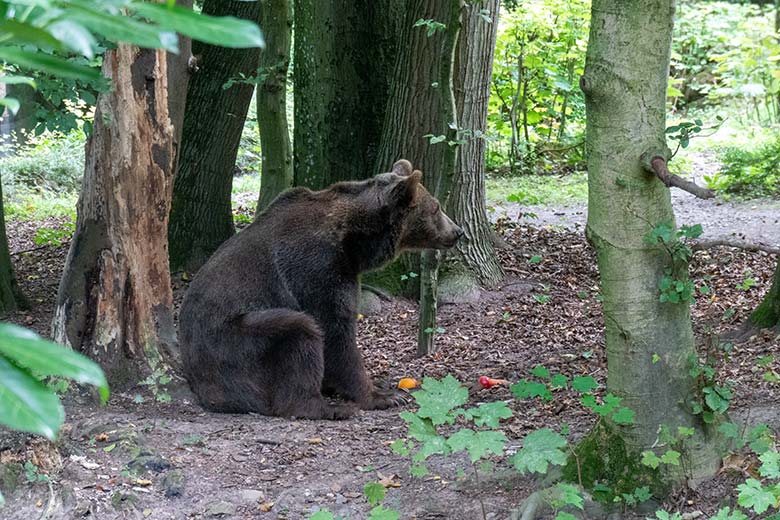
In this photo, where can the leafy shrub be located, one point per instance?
(53, 162)
(749, 172)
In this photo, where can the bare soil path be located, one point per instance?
(752, 221)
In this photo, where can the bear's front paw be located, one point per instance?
(381, 400)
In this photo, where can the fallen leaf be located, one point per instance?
(266, 506)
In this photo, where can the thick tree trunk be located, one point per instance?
(114, 302)
(201, 214)
(767, 314)
(11, 298)
(277, 173)
(474, 261)
(625, 87)
(343, 57)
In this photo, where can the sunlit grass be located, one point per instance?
(549, 190)
(40, 205)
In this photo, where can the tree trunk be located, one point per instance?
(767, 314)
(201, 213)
(450, 12)
(178, 80)
(11, 297)
(114, 302)
(343, 53)
(625, 88)
(473, 262)
(277, 172)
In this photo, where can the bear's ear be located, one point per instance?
(404, 191)
(402, 167)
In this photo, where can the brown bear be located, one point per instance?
(269, 321)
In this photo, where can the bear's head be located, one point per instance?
(426, 226)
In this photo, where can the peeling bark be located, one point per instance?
(114, 302)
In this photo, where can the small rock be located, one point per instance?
(251, 496)
(369, 304)
(150, 461)
(219, 508)
(173, 483)
(341, 499)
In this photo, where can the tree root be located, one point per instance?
(540, 505)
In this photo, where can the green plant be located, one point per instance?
(156, 382)
(675, 285)
(26, 404)
(749, 172)
(54, 236)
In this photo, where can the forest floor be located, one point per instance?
(156, 460)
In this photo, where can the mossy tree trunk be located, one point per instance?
(201, 212)
(343, 55)
(11, 297)
(277, 165)
(625, 88)
(114, 301)
(767, 314)
(473, 263)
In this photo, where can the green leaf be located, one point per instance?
(650, 459)
(423, 430)
(374, 493)
(559, 381)
(611, 402)
(726, 514)
(418, 470)
(16, 80)
(540, 372)
(437, 399)
(584, 384)
(75, 36)
(624, 415)
(753, 495)
(571, 496)
(322, 514)
(399, 448)
(20, 33)
(563, 515)
(11, 104)
(47, 63)
(27, 349)
(770, 465)
(477, 443)
(489, 414)
(225, 31)
(671, 457)
(121, 28)
(540, 449)
(527, 389)
(380, 513)
(26, 404)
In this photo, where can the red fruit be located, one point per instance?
(488, 382)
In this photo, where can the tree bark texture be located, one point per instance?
(11, 297)
(201, 213)
(277, 167)
(474, 261)
(343, 55)
(625, 86)
(114, 301)
(178, 80)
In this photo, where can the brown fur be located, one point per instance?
(269, 322)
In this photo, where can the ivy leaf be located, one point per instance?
(584, 384)
(477, 443)
(540, 449)
(438, 398)
(374, 493)
(624, 415)
(770, 466)
(753, 495)
(489, 414)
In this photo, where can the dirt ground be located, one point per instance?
(173, 460)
